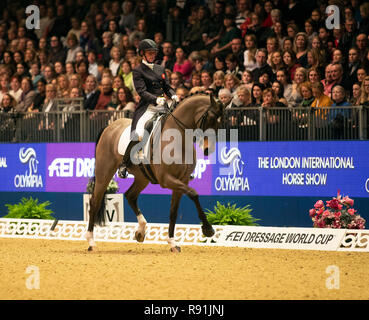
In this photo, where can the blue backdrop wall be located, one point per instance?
(281, 181)
(272, 211)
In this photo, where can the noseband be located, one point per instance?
(201, 120)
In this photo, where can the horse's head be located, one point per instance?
(211, 120)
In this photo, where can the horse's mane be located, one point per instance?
(191, 95)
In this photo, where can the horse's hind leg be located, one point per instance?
(176, 197)
(132, 194)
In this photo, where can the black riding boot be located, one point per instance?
(126, 162)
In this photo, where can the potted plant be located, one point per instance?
(337, 213)
(113, 201)
(231, 215)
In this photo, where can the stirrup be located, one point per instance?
(122, 172)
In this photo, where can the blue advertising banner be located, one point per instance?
(300, 168)
(303, 168)
(23, 167)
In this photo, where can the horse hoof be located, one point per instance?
(90, 248)
(175, 249)
(139, 237)
(208, 232)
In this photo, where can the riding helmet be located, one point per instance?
(147, 44)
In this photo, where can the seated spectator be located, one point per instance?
(218, 81)
(15, 88)
(356, 93)
(231, 82)
(62, 86)
(49, 103)
(117, 83)
(283, 78)
(225, 96)
(114, 29)
(91, 93)
(37, 104)
(230, 32)
(27, 96)
(360, 74)
(105, 94)
(82, 71)
(125, 101)
(22, 70)
(176, 80)
(314, 75)
(87, 40)
(307, 94)
(262, 66)
(353, 64)
(92, 64)
(219, 63)
(256, 95)
(270, 99)
(115, 60)
(232, 65)
(290, 61)
(125, 71)
(7, 104)
(206, 79)
(182, 64)
(73, 48)
(339, 97)
(328, 81)
(315, 60)
(4, 84)
(364, 99)
(339, 78)
(264, 79)
(276, 62)
(57, 51)
(337, 116)
(195, 79)
(278, 90)
(249, 60)
(58, 68)
(300, 77)
(182, 93)
(69, 69)
(107, 45)
(168, 59)
(247, 79)
(243, 97)
(321, 100)
(49, 73)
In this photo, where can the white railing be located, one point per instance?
(157, 233)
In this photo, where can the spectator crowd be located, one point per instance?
(250, 53)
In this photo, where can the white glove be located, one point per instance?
(160, 101)
(175, 98)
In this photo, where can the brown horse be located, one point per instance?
(195, 112)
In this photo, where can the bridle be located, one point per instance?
(201, 120)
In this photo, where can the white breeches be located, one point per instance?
(149, 113)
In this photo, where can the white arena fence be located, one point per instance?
(225, 236)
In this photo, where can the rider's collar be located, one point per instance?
(150, 65)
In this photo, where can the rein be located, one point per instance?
(202, 119)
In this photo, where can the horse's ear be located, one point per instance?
(212, 100)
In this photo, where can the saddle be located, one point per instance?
(144, 167)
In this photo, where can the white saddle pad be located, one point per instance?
(125, 138)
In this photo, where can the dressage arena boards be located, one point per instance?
(37, 263)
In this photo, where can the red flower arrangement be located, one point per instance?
(338, 213)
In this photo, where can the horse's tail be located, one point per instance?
(100, 217)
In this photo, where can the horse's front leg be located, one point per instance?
(179, 186)
(176, 197)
